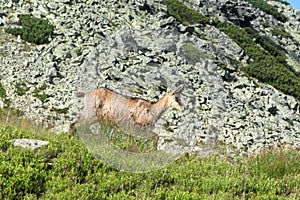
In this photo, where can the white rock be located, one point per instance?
(30, 143)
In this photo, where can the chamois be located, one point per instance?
(118, 109)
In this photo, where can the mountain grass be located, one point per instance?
(67, 170)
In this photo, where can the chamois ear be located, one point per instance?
(177, 90)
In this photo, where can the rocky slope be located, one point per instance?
(134, 47)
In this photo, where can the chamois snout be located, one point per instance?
(174, 99)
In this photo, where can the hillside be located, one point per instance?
(66, 170)
(238, 60)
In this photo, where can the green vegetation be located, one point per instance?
(60, 110)
(66, 170)
(42, 97)
(3, 95)
(269, 46)
(21, 88)
(40, 94)
(34, 30)
(2, 91)
(269, 9)
(184, 14)
(123, 140)
(269, 65)
(268, 60)
(265, 24)
(281, 33)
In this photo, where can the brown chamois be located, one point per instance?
(118, 109)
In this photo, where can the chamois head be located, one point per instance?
(173, 100)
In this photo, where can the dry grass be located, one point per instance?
(16, 118)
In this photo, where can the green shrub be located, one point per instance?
(40, 94)
(3, 95)
(34, 30)
(59, 110)
(269, 9)
(2, 91)
(21, 88)
(280, 32)
(268, 45)
(184, 14)
(269, 64)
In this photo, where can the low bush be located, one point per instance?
(281, 33)
(34, 30)
(184, 14)
(2, 91)
(269, 65)
(269, 9)
(39, 93)
(3, 95)
(21, 88)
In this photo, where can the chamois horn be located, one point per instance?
(178, 89)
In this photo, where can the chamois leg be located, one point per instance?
(72, 129)
(72, 126)
(154, 139)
